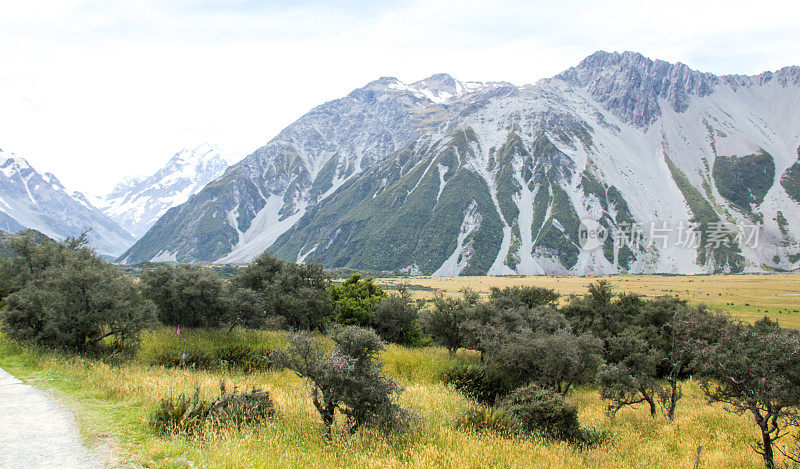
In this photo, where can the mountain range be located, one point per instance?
(29, 199)
(451, 178)
(668, 168)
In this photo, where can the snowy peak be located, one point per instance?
(14, 165)
(39, 201)
(440, 88)
(136, 203)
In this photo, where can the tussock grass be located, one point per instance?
(113, 402)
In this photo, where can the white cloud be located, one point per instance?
(95, 91)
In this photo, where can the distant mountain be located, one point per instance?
(29, 199)
(137, 203)
(451, 178)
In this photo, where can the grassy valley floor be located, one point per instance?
(113, 402)
(747, 296)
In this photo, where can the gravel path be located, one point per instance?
(36, 432)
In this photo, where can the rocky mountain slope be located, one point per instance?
(29, 199)
(137, 203)
(680, 171)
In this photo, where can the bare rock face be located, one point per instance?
(629, 84)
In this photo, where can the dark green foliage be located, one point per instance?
(239, 357)
(530, 297)
(348, 379)
(296, 293)
(70, 298)
(474, 383)
(543, 411)
(790, 180)
(649, 348)
(186, 295)
(443, 322)
(630, 377)
(355, 300)
(754, 369)
(396, 318)
(553, 360)
(783, 224)
(744, 180)
(482, 418)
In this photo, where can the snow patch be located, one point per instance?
(459, 260)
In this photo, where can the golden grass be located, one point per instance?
(114, 401)
(748, 296)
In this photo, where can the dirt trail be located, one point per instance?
(36, 432)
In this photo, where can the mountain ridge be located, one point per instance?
(536, 159)
(29, 199)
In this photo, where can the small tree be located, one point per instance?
(630, 377)
(755, 369)
(396, 318)
(530, 297)
(75, 301)
(244, 308)
(186, 295)
(297, 293)
(355, 300)
(347, 378)
(443, 322)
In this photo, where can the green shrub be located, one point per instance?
(182, 414)
(194, 359)
(396, 318)
(543, 411)
(189, 414)
(242, 357)
(487, 418)
(474, 383)
(246, 409)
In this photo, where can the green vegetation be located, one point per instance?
(726, 256)
(745, 180)
(355, 300)
(522, 375)
(790, 180)
(63, 296)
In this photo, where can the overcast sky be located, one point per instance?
(98, 90)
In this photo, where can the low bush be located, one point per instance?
(239, 357)
(487, 418)
(181, 414)
(242, 357)
(194, 359)
(543, 411)
(245, 409)
(189, 414)
(474, 383)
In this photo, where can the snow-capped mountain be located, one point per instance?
(136, 203)
(29, 199)
(447, 178)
